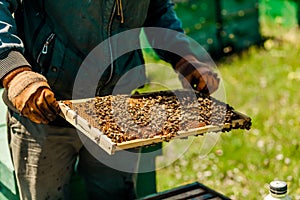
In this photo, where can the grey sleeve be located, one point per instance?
(11, 46)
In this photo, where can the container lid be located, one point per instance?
(278, 187)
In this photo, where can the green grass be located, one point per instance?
(262, 82)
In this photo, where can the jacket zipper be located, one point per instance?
(109, 44)
(44, 50)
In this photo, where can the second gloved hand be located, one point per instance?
(31, 95)
(197, 75)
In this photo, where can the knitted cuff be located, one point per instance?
(12, 74)
(23, 85)
(10, 61)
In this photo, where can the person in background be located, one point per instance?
(42, 46)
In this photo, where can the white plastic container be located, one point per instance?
(278, 191)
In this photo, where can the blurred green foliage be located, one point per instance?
(262, 82)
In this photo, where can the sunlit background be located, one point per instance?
(256, 46)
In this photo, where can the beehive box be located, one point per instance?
(221, 26)
(283, 12)
(117, 122)
(199, 20)
(237, 16)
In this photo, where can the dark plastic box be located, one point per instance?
(194, 190)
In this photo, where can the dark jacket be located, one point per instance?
(58, 35)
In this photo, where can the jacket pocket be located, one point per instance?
(66, 65)
(137, 19)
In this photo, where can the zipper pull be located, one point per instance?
(44, 50)
(46, 44)
(120, 10)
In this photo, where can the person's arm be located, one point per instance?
(174, 47)
(170, 37)
(27, 92)
(11, 46)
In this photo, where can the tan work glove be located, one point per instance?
(197, 75)
(31, 95)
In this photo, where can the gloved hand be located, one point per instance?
(31, 95)
(197, 75)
